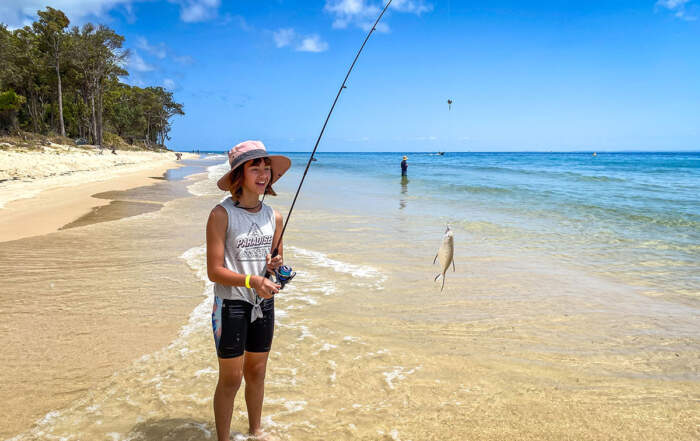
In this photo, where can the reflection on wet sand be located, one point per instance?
(404, 192)
(114, 211)
(131, 202)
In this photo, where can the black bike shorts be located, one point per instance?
(233, 331)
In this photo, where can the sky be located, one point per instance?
(522, 75)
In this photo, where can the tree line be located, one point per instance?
(56, 79)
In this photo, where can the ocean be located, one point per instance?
(630, 216)
(573, 312)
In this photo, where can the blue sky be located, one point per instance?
(523, 75)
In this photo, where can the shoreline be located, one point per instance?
(44, 204)
(52, 209)
(88, 299)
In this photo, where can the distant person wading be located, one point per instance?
(404, 166)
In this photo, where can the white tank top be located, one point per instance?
(248, 242)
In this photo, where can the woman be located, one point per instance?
(241, 232)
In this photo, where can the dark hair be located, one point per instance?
(237, 178)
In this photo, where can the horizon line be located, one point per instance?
(460, 151)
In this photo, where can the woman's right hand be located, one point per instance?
(265, 287)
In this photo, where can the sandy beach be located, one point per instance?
(41, 191)
(520, 345)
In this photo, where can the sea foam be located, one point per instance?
(319, 259)
(207, 187)
(399, 373)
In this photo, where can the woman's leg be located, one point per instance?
(254, 367)
(230, 374)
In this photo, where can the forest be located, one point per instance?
(61, 80)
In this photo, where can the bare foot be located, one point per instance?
(259, 435)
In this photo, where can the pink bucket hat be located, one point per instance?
(248, 150)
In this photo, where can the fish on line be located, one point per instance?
(446, 255)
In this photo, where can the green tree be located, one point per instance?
(10, 103)
(70, 81)
(50, 30)
(124, 111)
(21, 71)
(98, 58)
(165, 108)
(5, 37)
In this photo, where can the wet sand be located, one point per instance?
(53, 208)
(515, 349)
(76, 303)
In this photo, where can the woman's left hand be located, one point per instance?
(273, 262)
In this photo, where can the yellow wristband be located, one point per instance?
(247, 281)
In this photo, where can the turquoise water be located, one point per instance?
(631, 216)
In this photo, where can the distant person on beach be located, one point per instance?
(404, 166)
(178, 156)
(241, 232)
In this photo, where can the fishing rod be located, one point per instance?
(285, 273)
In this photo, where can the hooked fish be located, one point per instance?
(446, 255)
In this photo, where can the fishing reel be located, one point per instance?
(283, 275)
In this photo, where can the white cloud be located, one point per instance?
(417, 7)
(671, 4)
(345, 12)
(17, 13)
(129, 13)
(197, 10)
(312, 43)
(678, 7)
(363, 13)
(289, 37)
(169, 84)
(283, 37)
(185, 59)
(159, 50)
(138, 64)
(237, 19)
(134, 80)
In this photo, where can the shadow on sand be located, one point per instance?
(177, 429)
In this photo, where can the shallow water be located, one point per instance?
(630, 216)
(528, 341)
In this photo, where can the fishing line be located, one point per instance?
(285, 274)
(311, 158)
(449, 100)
